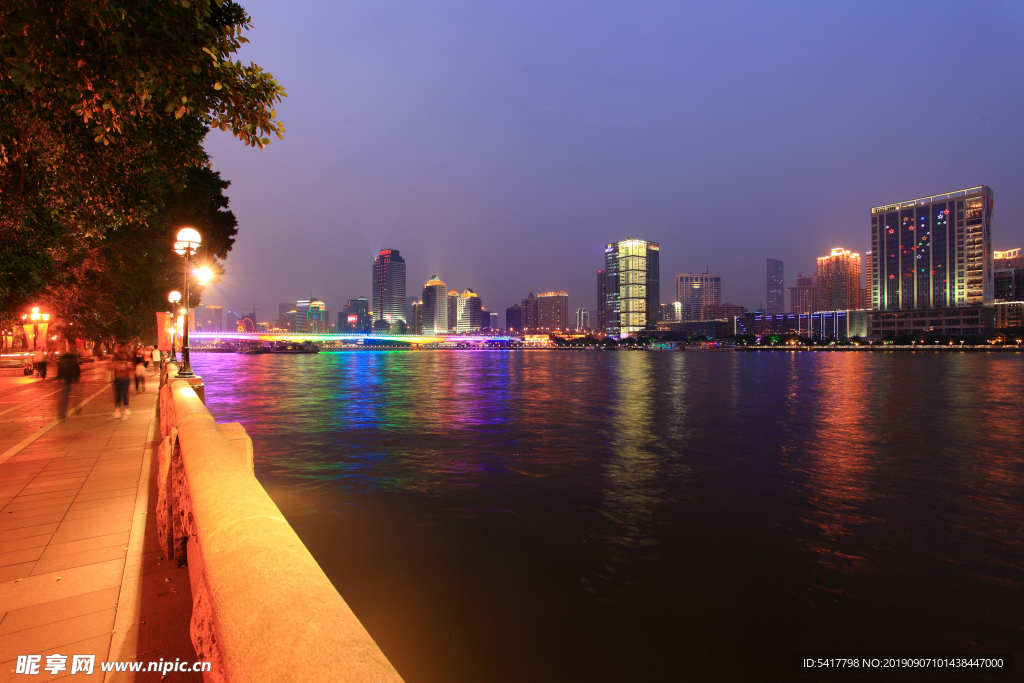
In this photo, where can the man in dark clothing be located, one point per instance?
(69, 372)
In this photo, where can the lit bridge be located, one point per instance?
(195, 335)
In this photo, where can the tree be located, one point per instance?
(103, 105)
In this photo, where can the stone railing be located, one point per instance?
(262, 609)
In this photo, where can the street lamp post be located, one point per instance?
(188, 241)
(174, 297)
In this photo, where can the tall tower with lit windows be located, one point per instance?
(389, 286)
(632, 289)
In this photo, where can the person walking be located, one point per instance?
(67, 372)
(140, 374)
(40, 362)
(122, 378)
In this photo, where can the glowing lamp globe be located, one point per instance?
(188, 239)
(174, 297)
(204, 274)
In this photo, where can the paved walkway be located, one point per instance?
(72, 522)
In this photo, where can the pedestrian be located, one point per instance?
(122, 378)
(140, 376)
(147, 356)
(68, 372)
(40, 362)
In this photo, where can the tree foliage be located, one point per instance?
(104, 105)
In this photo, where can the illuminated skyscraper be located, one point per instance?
(416, 326)
(209, 318)
(694, 290)
(839, 281)
(776, 288)
(933, 252)
(435, 307)
(582, 320)
(553, 311)
(514, 319)
(470, 312)
(357, 316)
(389, 286)
(453, 311)
(632, 293)
(602, 300)
(530, 313)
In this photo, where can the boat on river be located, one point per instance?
(295, 347)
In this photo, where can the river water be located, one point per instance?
(647, 516)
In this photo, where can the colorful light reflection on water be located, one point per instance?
(555, 516)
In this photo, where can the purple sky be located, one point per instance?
(501, 145)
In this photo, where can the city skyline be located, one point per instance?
(574, 145)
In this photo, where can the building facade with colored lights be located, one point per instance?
(389, 286)
(632, 286)
(435, 307)
(933, 252)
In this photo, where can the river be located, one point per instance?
(647, 516)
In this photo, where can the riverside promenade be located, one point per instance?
(79, 574)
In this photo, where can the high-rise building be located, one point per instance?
(389, 286)
(470, 311)
(485, 319)
(1012, 258)
(553, 311)
(933, 252)
(804, 297)
(416, 316)
(453, 311)
(602, 300)
(776, 288)
(514, 319)
(230, 321)
(633, 284)
(583, 320)
(435, 307)
(694, 290)
(839, 281)
(356, 317)
(1008, 275)
(494, 325)
(530, 313)
(282, 315)
(209, 318)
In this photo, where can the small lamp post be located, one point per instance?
(188, 240)
(174, 297)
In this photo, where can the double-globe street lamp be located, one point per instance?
(175, 298)
(188, 240)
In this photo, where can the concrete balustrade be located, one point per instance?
(262, 609)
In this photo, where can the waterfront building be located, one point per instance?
(416, 318)
(357, 316)
(1009, 314)
(470, 312)
(582, 320)
(632, 289)
(948, 321)
(720, 311)
(838, 276)
(247, 322)
(282, 311)
(712, 329)
(435, 307)
(485, 319)
(694, 290)
(1008, 275)
(389, 286)
(453, 311)
(804, 296)
(230, 321)
(288, 324)
(209, 318)
(553, 311)
(818, 325)
(311, 316)
(776, 287)
(514, 319)
(602, 290)
(494, 324)
(1011, 258)
(933, 252)
(530, 313)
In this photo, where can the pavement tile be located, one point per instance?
(12, 522)
(34, 512)
(16, 571)
(68, 547)
(102, 495)
(65, 561)
(89, 528)
(59, 610)
(20, 556)
(18, 505)
(27, 531)
(121, 504)
(48, 637)
(99, 646)
(35, 590)
(23, 543)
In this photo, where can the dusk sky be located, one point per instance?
(501, 145)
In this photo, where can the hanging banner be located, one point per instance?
(163, 331)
